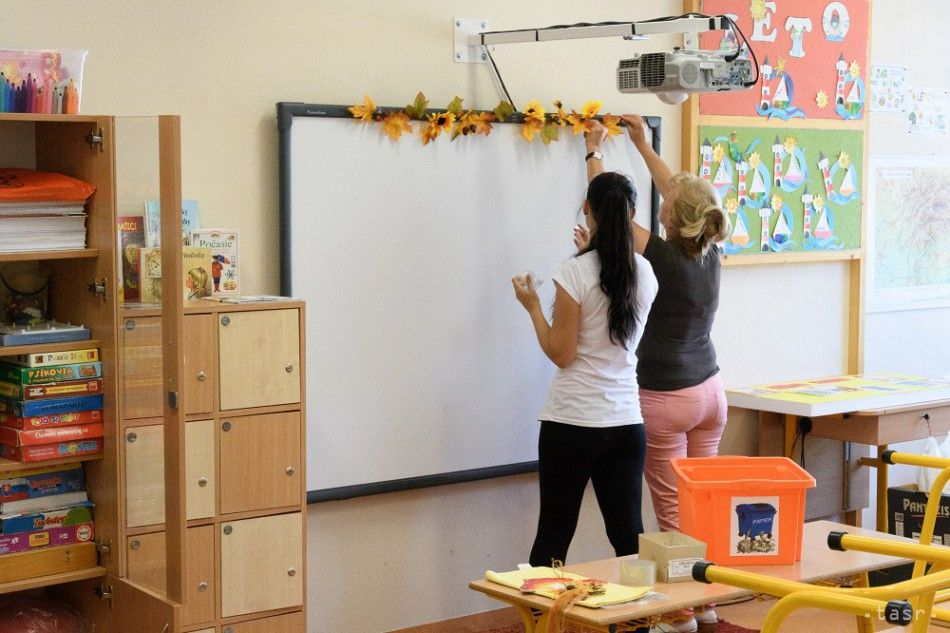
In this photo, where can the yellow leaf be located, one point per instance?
(417, 109)
(530, 128)
(550, 133)
(364, 112)
(580, 125)
(591, 108)
(430, 132)
(612, 123)
(395, 124)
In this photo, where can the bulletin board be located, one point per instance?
(793, 190)
(812, 58)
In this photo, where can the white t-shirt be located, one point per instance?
(598, 389)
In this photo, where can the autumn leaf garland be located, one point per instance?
(456, 121)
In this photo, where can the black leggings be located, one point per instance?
(568, 457)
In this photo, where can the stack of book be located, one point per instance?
(51, 405)
(41, 211)
(44, 507)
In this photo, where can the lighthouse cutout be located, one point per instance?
(705, 151)
(766, 89)
(842, 67)
(809, 210)
(777, 152)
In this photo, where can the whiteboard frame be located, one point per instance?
(286, 112)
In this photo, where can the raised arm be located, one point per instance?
(659, 171)
(593, 139)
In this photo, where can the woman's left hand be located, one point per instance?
(581, 237)
(525, 292)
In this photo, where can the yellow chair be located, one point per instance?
(908, 602)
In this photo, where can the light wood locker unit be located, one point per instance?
(287, 623)
(145, 473)
(260, 461)
(204, 631)
(259, 358)
(260, 570)
(146, 557)
(144, 476)
(141, 351)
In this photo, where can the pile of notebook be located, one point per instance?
(42, 211)
(44, 507)
(51, 405)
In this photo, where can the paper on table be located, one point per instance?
(614, 594)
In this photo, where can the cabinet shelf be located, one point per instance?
(64, 346)
(22, 256)
(53, 579)
(9, 465)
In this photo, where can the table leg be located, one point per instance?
(528, 618)
(791, 432)
(881, 491)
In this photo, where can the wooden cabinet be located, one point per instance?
(260, 461)
(172, 375)
(250, 378)
(258, 571)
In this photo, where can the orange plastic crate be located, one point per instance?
(748, 510)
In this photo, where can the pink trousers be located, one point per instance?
(683, 423)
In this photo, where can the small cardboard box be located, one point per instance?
(673, 553)
(905, 514)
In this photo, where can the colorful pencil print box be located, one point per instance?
(45, 81)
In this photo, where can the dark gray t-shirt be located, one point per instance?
(676, 351)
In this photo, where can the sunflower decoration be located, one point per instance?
(612, 123)
(438, 122)
(591, 108)
(821, 99)
(758, 9)
(534, 119)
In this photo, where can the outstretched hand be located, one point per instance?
(635, 124)
(525, 291)
(594, 135)
(581, 237)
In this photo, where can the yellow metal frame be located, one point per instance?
(918, 595)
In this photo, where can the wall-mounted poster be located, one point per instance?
(786, 190)
(811, 57)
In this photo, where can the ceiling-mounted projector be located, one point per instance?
(681, 71)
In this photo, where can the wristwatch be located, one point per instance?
(594, 154)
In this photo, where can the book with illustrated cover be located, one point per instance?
(130, 230)
(54, 373)
(224, 258)
(16, 437)
(47, 359)
(52, 420)
(50, 390)
(195, 267)
(153, 226)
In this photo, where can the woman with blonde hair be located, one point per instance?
(681, 393)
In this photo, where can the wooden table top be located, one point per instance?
(818, 563)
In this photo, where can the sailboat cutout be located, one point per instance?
(740, 232)
(781, 94)
(780, 234)
(793, 174)
(847, 185)
(723, 175)
(822, 230)
(758, 186)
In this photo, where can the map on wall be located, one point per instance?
(811, 57)
(788, 189)
(910, 245)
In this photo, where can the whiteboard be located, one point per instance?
(422, 368)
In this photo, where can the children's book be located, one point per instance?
(224, 258)
(196, 273)
(153, 227)
(130, 230)
(196, 270)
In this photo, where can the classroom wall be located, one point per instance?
(222, 65)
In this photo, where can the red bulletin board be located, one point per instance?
(813, 48)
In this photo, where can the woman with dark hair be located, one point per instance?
(591, 426)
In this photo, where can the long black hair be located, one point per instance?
(612, 199)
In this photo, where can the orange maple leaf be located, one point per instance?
(612, 123)
(429, 133)
(483, 122)
(578, 121)
(364, 112)
(395, 124)
(531, 127)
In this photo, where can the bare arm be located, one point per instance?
(593, 139)
(659, 170)
(558, 340)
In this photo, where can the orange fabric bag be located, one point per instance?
(27, 185)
